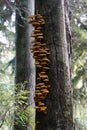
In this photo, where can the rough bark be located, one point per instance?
(59, 103)
(68, 30)
(25, 69)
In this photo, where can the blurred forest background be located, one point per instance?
(78, 24)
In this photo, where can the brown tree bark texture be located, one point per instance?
(59, 103)
(25, 68)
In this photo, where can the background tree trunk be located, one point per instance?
(25, 68)
(58, 101)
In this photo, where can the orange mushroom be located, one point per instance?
(40, 103)
(40, 53)
(32, 16)
(43, 108)
(45, 59)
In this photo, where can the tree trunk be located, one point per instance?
(58, 101)
(25, 68)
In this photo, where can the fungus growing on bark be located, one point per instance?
(40, 54)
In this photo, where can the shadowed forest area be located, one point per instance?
(43, 65)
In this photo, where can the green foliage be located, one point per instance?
(11, 102)
(79, 63)
(6, 103)
(26, 116)
(79, 43)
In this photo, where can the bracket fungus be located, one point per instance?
(40, 54)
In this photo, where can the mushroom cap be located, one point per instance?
(35, 47)
(35, 57)
(41, 55)
(45, 59)
(35, 23)
(44, 91)
(40, 37)
(46, 68)
(41, 103)
(43, 63)
(33, 35)
(37, 31)
(41, 20)
(42, 51)
(37, 43)
(42, 86)
(32, 21)
(43, 76)
(32, 16)
(38, 66)
(36, 63)
(36, 51)
(39, 84)
(46, 49)
(42, 23)
(46, 80)
(48, 53)
(36, 107)
(43, 108)
(43, 72)
(38, 93)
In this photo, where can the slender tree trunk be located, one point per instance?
(68, 30)
(59, 103)
(25, 69)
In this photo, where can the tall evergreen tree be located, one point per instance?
(58, 101)
(25, 69)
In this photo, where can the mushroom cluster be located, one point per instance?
(40, 54)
